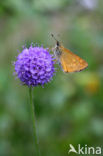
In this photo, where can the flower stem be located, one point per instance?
(34, 123)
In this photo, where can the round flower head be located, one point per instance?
(34, 66)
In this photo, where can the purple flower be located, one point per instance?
(34, 66)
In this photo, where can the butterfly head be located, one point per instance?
(57, 50)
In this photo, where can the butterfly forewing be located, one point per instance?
(71, 62)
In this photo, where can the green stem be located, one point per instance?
(34, 123)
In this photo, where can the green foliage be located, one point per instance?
(69, 110)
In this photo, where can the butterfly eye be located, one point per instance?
(58, 44)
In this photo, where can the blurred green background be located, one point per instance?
(69, 110)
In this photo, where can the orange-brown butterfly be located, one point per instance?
(68, 60)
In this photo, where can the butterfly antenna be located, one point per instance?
(55, 40)
(53, 37)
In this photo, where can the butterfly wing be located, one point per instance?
(71, 62)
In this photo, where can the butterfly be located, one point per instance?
(69, 61)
